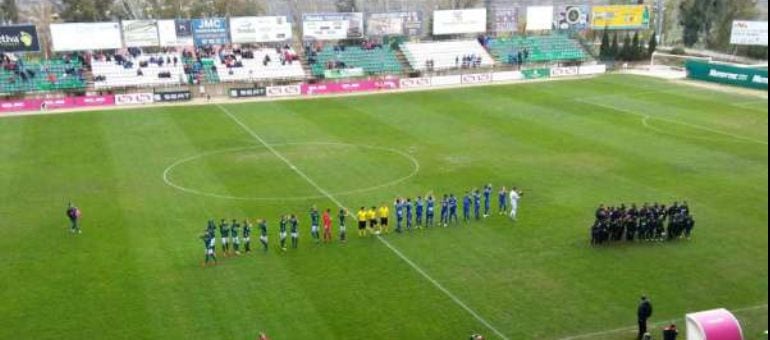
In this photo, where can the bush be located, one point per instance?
(678, 50)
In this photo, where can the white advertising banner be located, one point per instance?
(259, 29)
(507, 76)
(86, 36)
(284, 91)
(175, 33)
(557, 72)
(333, 26)
(749, 33)
(445, 80)
(134, 99)
(593, 69)
(460, 21)
(479, 78)
(140, 33)
(415, 83)
(539, 18)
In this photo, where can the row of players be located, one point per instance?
(409, 214)
(647, 223)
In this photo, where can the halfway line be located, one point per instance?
(338, 203)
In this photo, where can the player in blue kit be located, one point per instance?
(224, 233)
(453, 209)
(234, 237)
(487, 198)
(399, 207)
(263, 234)
(444, 218)
(246, 236)
(430, 211)
(467, 207)
(408, 207)
(502, 201)
(419, 206)
(477, 204)
(294, 223)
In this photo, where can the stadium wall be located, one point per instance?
(727, 74)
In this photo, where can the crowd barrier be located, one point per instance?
(307, 89)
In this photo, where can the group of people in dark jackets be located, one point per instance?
(650, 222)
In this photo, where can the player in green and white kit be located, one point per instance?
(263, 233)
(282, 231)
(343, 230)
(224, 233)
(246, 235)
(234, 236)
(208, 248)
(294, 223)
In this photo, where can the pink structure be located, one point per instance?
(717, 324)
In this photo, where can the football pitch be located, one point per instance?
(148, 179)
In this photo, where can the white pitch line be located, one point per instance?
(414, 266)
(628, 329)
(673, 121)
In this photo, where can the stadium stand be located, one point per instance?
(549, 48)
(257, 64)
(17, 76)
(446, 55)
(372, 58)
(135, 70)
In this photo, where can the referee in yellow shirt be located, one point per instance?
(383, 213)
(371, 215)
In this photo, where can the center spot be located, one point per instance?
(255, 173)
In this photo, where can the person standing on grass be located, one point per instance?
(208, 249)
(371, 215)
(282, 231)
(234, 237)
(444, 211)
(419, 206)
(453, 209)
(384, 213)
(361, 216)
(466, 207)
(643, 312)
(314, 224)
(294, 222)
(430, 211)
(343, 232)
(224, 234)
(515, 195)
(73, 213)
(502, 201)
(477, 204)
(408, 207)
(487, 198)
(327, 220)
(263, 234)
(211, 229)
(246, 236)
(399, 214)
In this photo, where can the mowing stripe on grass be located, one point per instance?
(673, 121)
(660, 323)
(414, 266)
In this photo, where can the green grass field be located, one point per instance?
(135, 271)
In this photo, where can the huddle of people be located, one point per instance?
(235, 235)
(650, 222)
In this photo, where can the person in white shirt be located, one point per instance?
(514, 196)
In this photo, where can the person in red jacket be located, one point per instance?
(327, 221)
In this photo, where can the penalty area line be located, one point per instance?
(387, 244)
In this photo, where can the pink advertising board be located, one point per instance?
(21, 105)
(350, 86)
